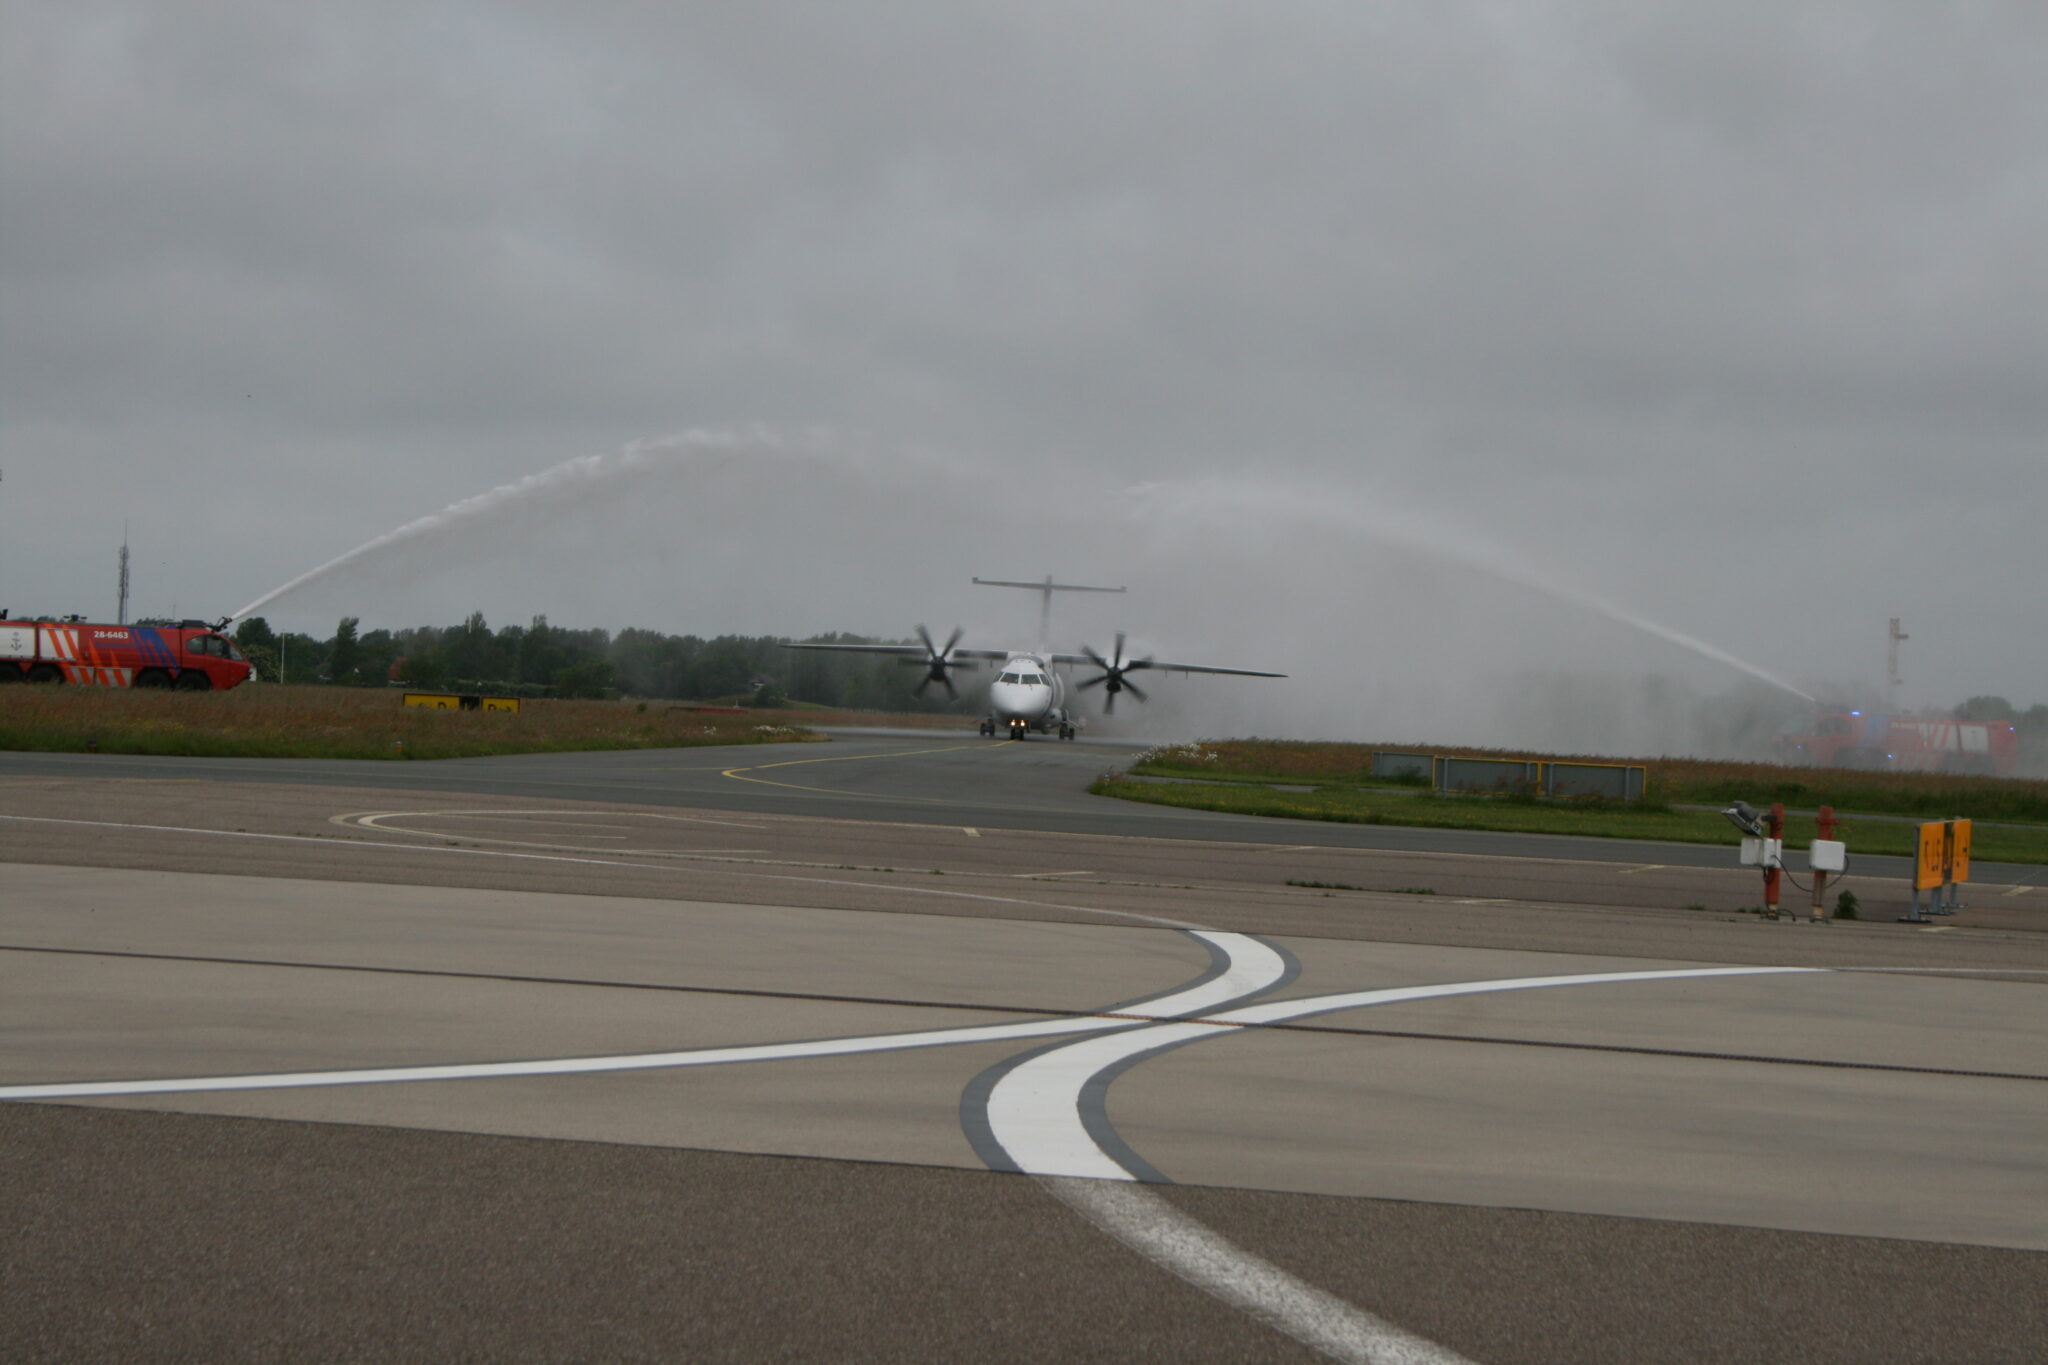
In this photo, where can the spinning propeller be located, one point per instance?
(938, 662)
(1113, 678)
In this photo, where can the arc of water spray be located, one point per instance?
(1174, 499)
(1235, 494)
(562, 477)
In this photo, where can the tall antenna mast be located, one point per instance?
(121, 612)
(1891, 667)
(1045, 591)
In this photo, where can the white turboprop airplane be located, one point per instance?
(1028, 694)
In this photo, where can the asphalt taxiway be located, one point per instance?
(738, 1054)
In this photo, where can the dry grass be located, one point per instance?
(349, 722)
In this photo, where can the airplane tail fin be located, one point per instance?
(1045, 591)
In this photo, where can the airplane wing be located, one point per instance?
(1160, 665)
(906, 651)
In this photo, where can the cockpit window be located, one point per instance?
(1010, 678)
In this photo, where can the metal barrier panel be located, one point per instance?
(1607, 781)
(1504, 776)
(1930, 869)
(457, 701)
(1390, 764)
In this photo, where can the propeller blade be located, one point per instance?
(922, 684)
(937, 662)
(1114, 677)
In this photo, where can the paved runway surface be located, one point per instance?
(738, 1054)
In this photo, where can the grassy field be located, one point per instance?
(352, 722)
(1673, 781)
(1991, 843)
(1240, 776)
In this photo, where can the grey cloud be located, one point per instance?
(1643, 291)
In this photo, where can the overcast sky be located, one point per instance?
(1734, 315)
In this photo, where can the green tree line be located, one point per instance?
(540, 659)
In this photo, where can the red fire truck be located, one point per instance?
(191, 655)
(1921, 744)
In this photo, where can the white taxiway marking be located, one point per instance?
(1034, 1114)
(1034, 1111)
(524, 819)
(1161, 1233)
(371, 820)
(970, 831)
(1253, 967)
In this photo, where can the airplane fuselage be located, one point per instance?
(1026, 695)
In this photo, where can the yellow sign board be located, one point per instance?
(452, 701)
(1932, 868)
(1959, 852)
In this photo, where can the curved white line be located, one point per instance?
(1034, 1108)
(1034, 1111)
(1253, 965)
(1158, 1231)
(1034, 1115)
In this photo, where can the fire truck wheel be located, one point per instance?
(152, 677)
(194, 682)
(9, 673)
(46, 673)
